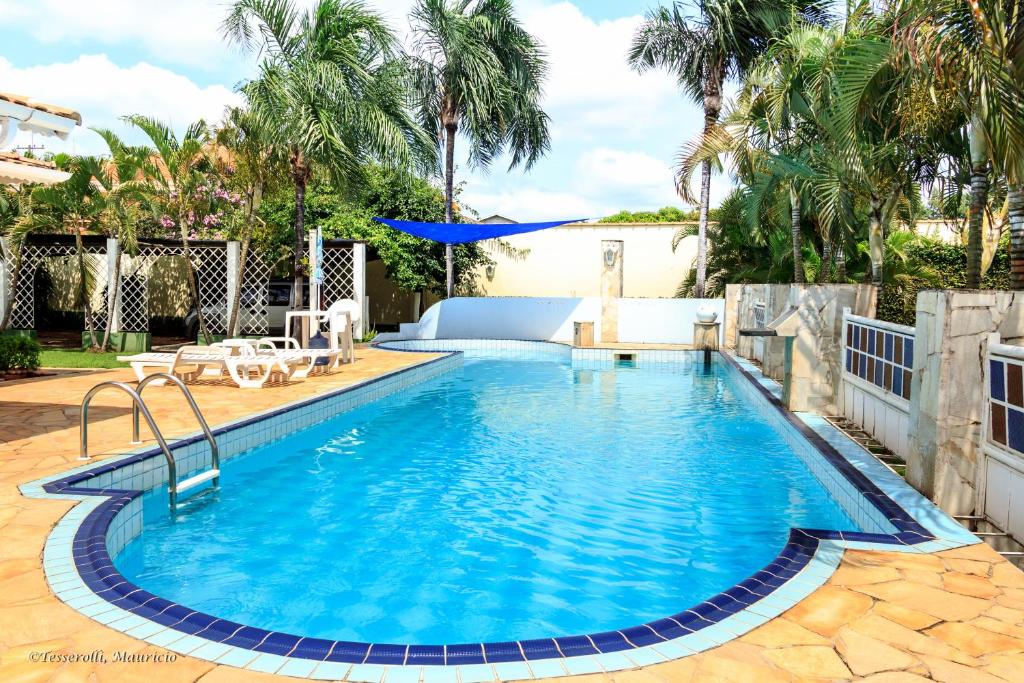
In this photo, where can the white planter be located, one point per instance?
(706, 314)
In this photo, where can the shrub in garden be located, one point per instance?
(18, 353)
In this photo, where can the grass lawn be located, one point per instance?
(73, 358)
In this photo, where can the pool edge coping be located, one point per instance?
(804, 564)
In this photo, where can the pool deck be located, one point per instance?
(889, 617)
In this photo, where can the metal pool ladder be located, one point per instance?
(174, 487)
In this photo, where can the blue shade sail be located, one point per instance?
(460, 233)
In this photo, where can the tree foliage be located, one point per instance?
(666, 214)
(411, 262)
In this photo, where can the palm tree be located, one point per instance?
(476, 70)
(177, 168)
(974, 49)
(73, 206)
(244, 154)
(14, 206)
(123, 191)
(720, 43)
(329, 91)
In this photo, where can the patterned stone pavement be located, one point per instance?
(883, 617)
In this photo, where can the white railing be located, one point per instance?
(760, 319)
(877, 361)
(1002, 468)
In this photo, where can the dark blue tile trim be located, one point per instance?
(92, 559)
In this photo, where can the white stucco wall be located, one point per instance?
(662, 321)
(666, 321)
(567, 261)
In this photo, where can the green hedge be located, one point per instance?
(18, 353)
(898, 302)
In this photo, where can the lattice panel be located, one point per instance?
(210, 263)
(255, 300)
(339, 274)
(134, 302)
(33, 257)
(213, 287)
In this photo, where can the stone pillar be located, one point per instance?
(947, 390)
(813, 357)
(359, 286)
(611, 288)
(730, 320)
(234, 267)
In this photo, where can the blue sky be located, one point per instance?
(615, 133)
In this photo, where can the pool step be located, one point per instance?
(198, 479)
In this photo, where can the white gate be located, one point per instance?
(1002, 474)
(878, 360)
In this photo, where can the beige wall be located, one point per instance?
(390, 305)
(567, 261)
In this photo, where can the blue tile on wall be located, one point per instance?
(997, 380)
(1015, 428)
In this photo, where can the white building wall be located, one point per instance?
(566, 261)
(666, 321)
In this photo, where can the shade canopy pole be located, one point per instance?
(449, 258)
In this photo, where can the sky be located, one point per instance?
(615, 133)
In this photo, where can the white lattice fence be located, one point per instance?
(255, 300)
(209, 262)
(37, 256)
(339, 273)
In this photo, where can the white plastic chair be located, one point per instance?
(341, 318)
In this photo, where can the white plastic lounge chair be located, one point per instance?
(289, 350)
(245, 368)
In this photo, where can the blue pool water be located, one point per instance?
(505, 500)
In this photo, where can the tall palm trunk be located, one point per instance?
(976, 224)
(243, 257)
(876, 241)
(113, 291)
(979, 200)
(1015, 199)
(712, 107)
(794, 228)
(450, 128)
(193, 287)
(840, 258)
(825, 272)
(300, 174)
(84, 288)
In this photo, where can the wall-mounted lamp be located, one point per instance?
(489, 271)
(610, 252)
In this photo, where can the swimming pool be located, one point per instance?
(506, 500)
(629, 536)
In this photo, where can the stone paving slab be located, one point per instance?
(886, 617)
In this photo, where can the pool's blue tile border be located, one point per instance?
(79, 568)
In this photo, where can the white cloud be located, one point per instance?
(632, 177)
(591, 90)
(527, 204)
(103, 91)
(179, 32)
